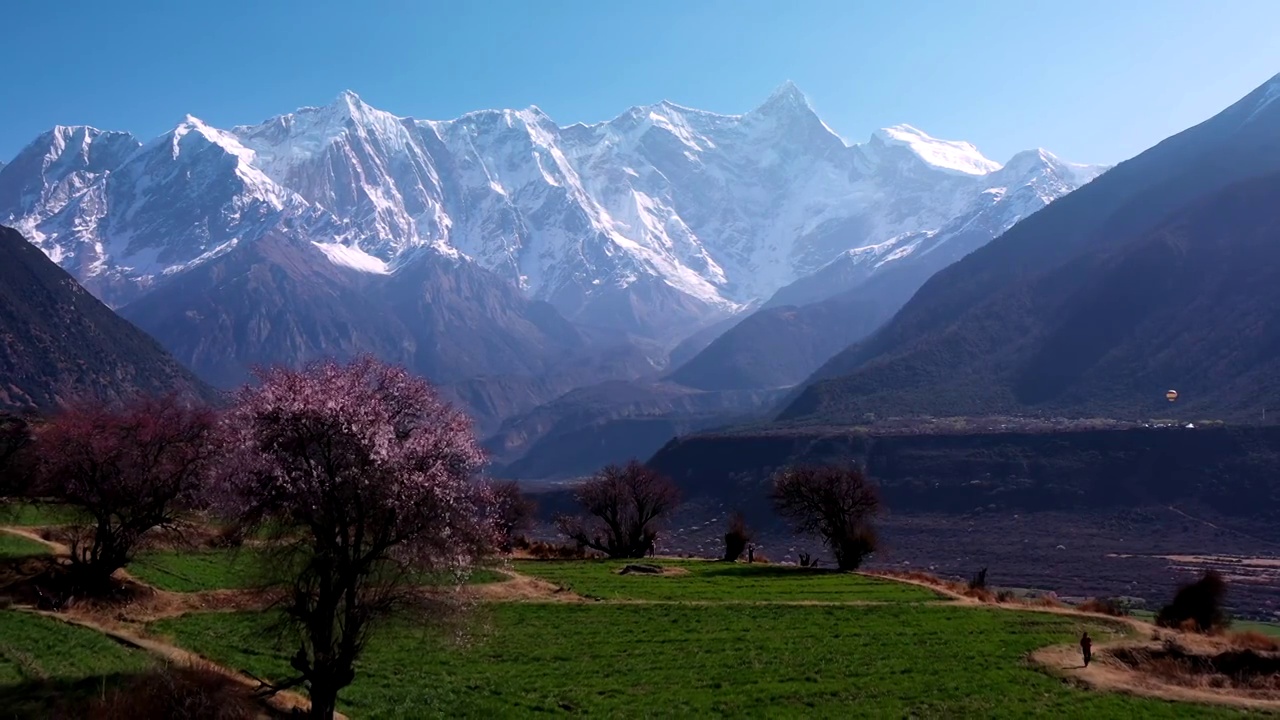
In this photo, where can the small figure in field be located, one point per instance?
(751, 553)
(1086, 647)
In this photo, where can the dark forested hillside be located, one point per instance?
(59, 343)
(1163, 273)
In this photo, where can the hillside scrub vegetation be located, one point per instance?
(622, 508)
(835, 504)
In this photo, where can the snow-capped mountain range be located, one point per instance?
(656, 222)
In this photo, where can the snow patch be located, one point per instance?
(1270, 95)
(353, 257)
(961, 157)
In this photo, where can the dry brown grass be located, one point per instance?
(542, 550)
(982, 595)
(522, 588)
(1252, 640)
(193, 692)
(919, 577)
(1224, 667)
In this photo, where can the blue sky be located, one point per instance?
(1092, 81)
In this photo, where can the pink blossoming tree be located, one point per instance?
(127, 471)
(367, 475)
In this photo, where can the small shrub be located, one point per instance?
(979, 581)
(542, 550)
(1006, 596)
(980, 594)
(1197, 606)
(1104, 606)
(737, 538)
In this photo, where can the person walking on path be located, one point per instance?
(1086, 648)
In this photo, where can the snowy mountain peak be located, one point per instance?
(654, 222)
(1030, 162)
(787, 94)
(785, 101)
(949, 155)
(349, 106)
(79, 140)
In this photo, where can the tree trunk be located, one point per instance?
(324, 701)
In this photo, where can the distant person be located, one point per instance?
(751, 553)
(1086, 648)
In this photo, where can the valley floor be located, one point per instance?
(1142, 553)
(571, 638)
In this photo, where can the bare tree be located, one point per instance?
(513, 512)
(367, 476)
(833, 503)
(126, 471)
(737, 537)
(622, 508)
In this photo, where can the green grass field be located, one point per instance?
(43, 661)
(1272, 629)
(198, 570)
(34, 514)
(703, 660)
(1266, 628)
(714, 640)
(12, 546)
(721, 582)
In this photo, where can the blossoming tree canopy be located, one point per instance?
(333, 446)
(368, 474)
(127, 470)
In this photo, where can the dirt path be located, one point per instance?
(284, 701)
(27, 533)
(115, 623)
(1107, 674)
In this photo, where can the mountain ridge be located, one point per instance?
(1020, 318)
(575, 215)
(61, 345)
